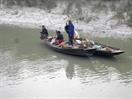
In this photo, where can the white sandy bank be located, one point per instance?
(104, 26)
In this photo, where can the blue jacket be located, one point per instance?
(70, 29)
(67, 28)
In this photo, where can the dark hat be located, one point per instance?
(43, 26)
(70, 21)
(59, 32)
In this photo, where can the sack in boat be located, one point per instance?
(78, 41)
(75, 47)
(108, 49)
(76, 35)
(52, 41)
(50, 38)
(97, 46)
(65, 46)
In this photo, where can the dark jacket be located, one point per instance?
(59, 37)
(67, 28)
(44, 31)
(70, 29)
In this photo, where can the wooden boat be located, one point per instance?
(107, 51)
(94, 49)
(86, 52)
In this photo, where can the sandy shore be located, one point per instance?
(34, 18)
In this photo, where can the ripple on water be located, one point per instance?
(14, 71)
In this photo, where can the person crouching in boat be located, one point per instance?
(44, 33)
(59, 38)
(69, 28)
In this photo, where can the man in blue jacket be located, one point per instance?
(69, 28)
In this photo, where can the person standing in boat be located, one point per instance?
(69, 28)
(44, 33)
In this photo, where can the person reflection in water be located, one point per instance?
(70, 71)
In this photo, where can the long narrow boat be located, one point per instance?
(86, 52)
(107, 51)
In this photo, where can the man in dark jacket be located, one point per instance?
(44, 32)
(69, 28)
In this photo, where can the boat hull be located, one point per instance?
(107, 53)
(71, 51)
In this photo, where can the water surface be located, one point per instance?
(28, 69)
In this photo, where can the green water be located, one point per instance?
(29, 70)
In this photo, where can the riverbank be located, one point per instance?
(27, 17)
